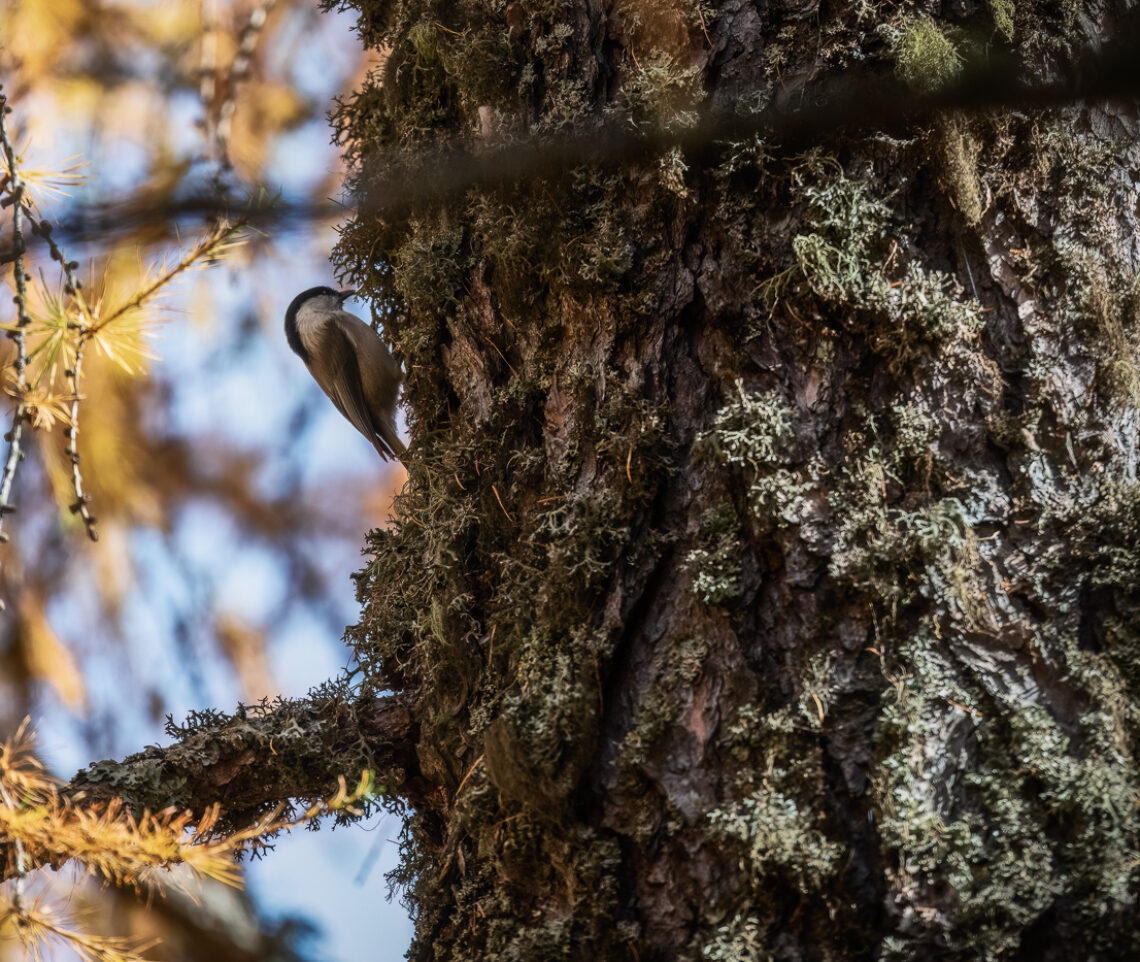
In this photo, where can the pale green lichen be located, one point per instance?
(927, 60)
(777, 834)
(917, 433)
(1003, 13)
(849, 259)
(937, 836)
(715, 569)
(741, 940)
(755, 430)
(924, 57)
(757, 433)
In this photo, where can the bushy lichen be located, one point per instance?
(851, 259)
(715, 569)
(777, 835)
(991, 804)
(740, 940)
(925, 57)
(757, 433)
(1003, 12)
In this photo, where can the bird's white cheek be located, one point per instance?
(309, 331)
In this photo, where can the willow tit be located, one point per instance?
(349, 362)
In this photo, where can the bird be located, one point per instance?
(350, 363)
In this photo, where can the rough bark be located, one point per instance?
(764, 583)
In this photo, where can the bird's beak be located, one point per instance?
(345, 295)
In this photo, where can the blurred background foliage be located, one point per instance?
(230, 497)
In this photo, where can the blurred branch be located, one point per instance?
(848, 104)
(99, 223)
(239, 71)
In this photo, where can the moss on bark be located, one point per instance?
(764, 579)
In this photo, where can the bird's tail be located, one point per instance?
(388, 442)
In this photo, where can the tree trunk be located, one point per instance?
(765, 585)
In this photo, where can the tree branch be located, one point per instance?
(15, 197)
(262, 755)
(73, 288)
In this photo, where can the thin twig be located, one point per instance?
(203, 249)
(16, 199)
(73, 288)
(501, 505)
(82, 498)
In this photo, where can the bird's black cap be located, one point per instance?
(291, 334)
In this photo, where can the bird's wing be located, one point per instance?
(380, 378)
(334, 367)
